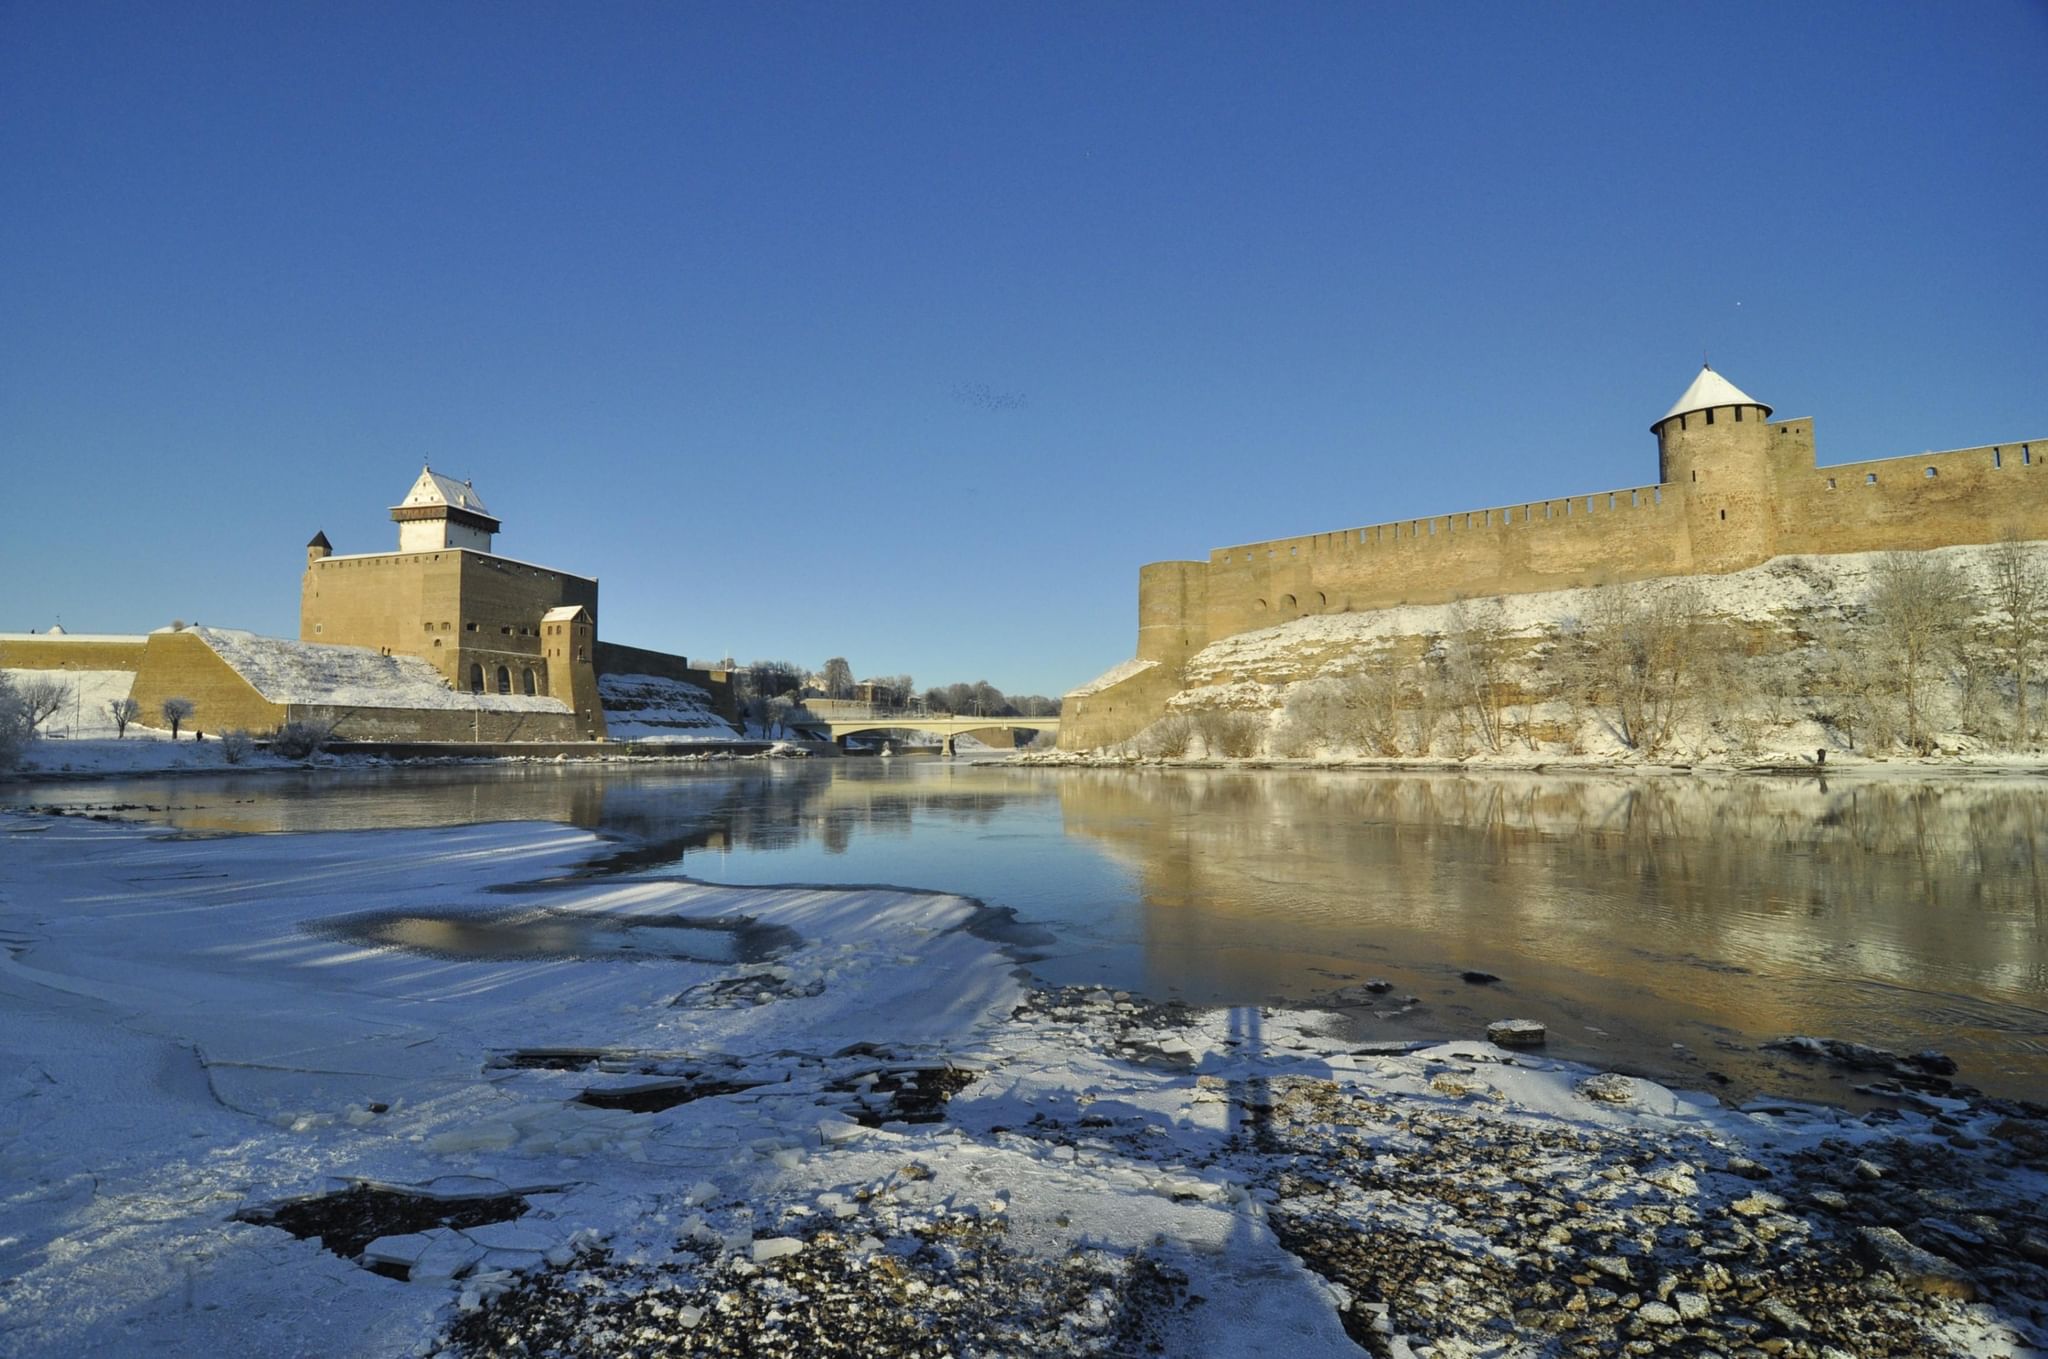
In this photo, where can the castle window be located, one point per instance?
(2026, 455)
(437, 641)
(430, 627)
(1831, 483)
(526, 680)
(1997, 461)
(1931, 474)
(476, 679)
(317, 627)
(1724, 514)
(469, 627)
(1695, 475)
(1260, 604)
(1870, 478)
(1287, 602)
(1738, 412)
(1710, 415)
(504, 680)
(1322, 600)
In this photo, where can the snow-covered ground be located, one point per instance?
(611, 1114)
(650, 708)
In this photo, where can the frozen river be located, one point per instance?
(1672, 926)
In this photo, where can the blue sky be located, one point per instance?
(909, 332)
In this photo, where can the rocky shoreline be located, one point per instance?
(1453, 1200)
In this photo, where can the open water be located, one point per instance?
(1670, 926)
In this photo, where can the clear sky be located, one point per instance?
(908, 332)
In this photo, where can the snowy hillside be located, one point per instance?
(1784, 659)
(348, 676)
(650, 708)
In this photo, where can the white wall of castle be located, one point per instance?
(438, 535)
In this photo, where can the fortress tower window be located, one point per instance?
(1695, 474)
(1997, 460)
(526, 680)
(504, 680)
(1870, 478)
(1932, 474)
(1738, 413)
(476, 679)
(469, 627)
(1287, 602)
(1831, 483)
(1710, 415)
(1724, 514)
(2026, 455)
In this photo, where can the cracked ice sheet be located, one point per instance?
(177, 1045)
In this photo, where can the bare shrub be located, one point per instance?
(40, 696)
(301, 740)
(1166, 739)
(1475, 671)
(1920, 610)
(175, 711)
(2019, 615)
(1639, 653)
(1233, 735)
(123, 711)
(236, 744)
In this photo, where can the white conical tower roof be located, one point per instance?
(1709, 389)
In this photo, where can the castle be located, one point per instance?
(488, 624)
(442, 640)
(1734, 488)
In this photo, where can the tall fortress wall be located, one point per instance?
(1735, 488)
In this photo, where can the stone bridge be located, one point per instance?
(840, 723)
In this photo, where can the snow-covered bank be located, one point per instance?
(1768, 665)
(647, 1115)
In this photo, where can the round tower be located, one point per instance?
(319, 549)
(1712, 452)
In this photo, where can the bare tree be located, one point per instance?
(2019, 612)
(123, 711)
(837, 678)
(14, 724)
(1475, 668)
(235, 744)
(1640, 652)
(175, 711)
(40, 696)
(1920, 608)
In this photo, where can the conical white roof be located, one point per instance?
(1709, 389)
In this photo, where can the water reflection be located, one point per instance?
(1627, 913)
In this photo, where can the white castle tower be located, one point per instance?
(439, 513)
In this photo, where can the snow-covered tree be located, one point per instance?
(175, 711)
(123, 711)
